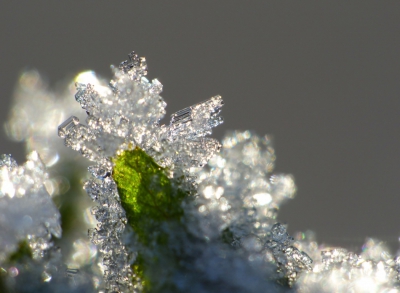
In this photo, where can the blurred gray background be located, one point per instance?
(321, 77)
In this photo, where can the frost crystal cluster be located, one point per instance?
(36, 112)
(29, 261)
(240, 196)
(27, 212)
(174, 210)
(339, 270)
(122, 117)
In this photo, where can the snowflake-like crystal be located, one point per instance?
(125, 116)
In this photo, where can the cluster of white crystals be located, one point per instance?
(29, 261)
(374, 270)
(27, 212)
(240, 198)
(123, 115)
(37, 110)
(228, 238)
(126, 113)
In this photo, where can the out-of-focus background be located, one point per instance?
(321, 77)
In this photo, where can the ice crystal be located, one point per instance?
(238, 190)
(166, 224)
(29, 261)
(339, 270)
(336, 269)
(127, 113)
(239, 198)
(122, 117)
(36, 112)
(27, 212)
(290, 260)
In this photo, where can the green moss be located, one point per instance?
(150, 199)
(139, 276)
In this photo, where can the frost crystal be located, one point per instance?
(29, 261)
(123, 116)
(338, 270)
(237, 188)
(239, 198)
(127, 113)
(164, 223)
(290, 260)
(35, 115)
(27, 212)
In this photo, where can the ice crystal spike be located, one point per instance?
(64, 127)
(197, 120)
(135, 65)
(127, 113)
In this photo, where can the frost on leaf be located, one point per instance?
(123, 123)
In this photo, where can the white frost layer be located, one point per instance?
(26, 209)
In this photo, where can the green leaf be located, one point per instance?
(150, 199)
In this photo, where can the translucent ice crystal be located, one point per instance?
(46, 275)
(27, 212)
(29, 260)
(290, 260)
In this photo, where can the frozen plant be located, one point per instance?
(123, 121)
(151, 233)
(176, 211)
